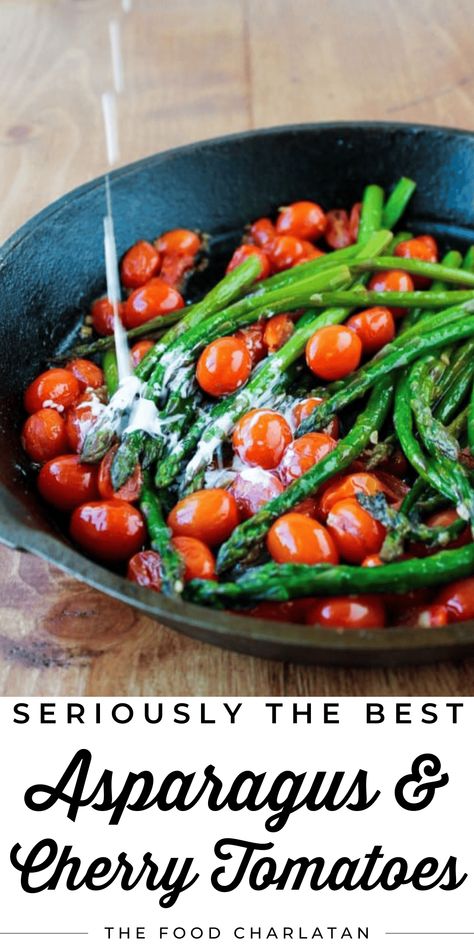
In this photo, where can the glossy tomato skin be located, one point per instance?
(199, 562)
(306, 407)
(44, 435)
(179, 241)
(348, 485)
(286, 251)
(458, 597)
(129, 491)
(424, 248)
(87, 373)
(262, 232)
(295, 538)
(109, 530)
(175, 268)
(223, 366)
(140, 263)
(102, 313)
(372, 560)
(254, 339)
(209, 515)
(395, 281)
(333, 352)
(289, 611)
(426, 617)
(355, 532)
(375, 328)
(337, 233)
(79, 419)
(303, 219)
(354, 221)
(249, 250)
(144, 568)
(140, 350)
(155, 298)
(348, 612)
(55, 388)
(65, 482)
(253, 488)
(261, 437)
(303, 454)
(278, 330)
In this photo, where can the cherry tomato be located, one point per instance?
(140, 263)
(223, 366)
(87, 373)
(66, 482)
(303, 219)
(348, 486)
(179, 241)
(333, 352)
(419, 248)
(44, 435)
(289, 611)
(392, 486)
(199, 562)
(261, 438)
(129, 491)
(175, 267)
(103, 316)
(426, 617)
(337, 233)
(249, 250)
(354, 221)
(306, 407)
(375, 327)
(140, 349)
(303, 454)
(458, 597)
(110, 530)
(443, 518)
(252, 488)
(254, 339)
(278, 330)
(262, 232)
(355, 532)
(155, 298)
(295, 538)
(286, 251)
(144, 568)
(79, 419)
(209, 515)
(307, 507)
(310, 252)
(372, 560)
(348, 612)
(55, 388)
(395, 281)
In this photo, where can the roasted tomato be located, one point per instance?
(419, 248)
(392, 281)
(348, 485)
(155, 298)
(140, 263)
(261, 438)
(65, 482)
(249, 250)
(458, 597)
(355, 532)
(333, 352)
(88, 374)
(306, 407)
(223, 366)
(209, 515)
(303, 454)
(110, 530)
(303, 219)
(295, 538)
(278, 330)
(375, 328)
(55, 388)
(129, 491)
(348, 612)
(253, 488)
(44, 435)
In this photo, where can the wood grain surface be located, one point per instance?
(194, 69)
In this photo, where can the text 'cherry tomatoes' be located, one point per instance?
(333, 352)
(223, 366)
(261, 438)
(209, 515)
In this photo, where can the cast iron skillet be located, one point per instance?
(52, 268)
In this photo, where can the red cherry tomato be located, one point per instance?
(223, 366)
(306, 407)
(303, 219)
(87, 373)
(310, 252)
(144, 568)
(109, 530)
(355, 532)
(458, 597)
(419, 248)
(261, 438)
(395, 281)
(103, 316)
(278, 330)
(249, 250)
(348, 612)
(333, 352)
(276, 611)
(129, 491)
(372, 560)
(199, 562)
(443, 518)
(140, 349)
(175, 267)
(65, 482)
(348, 485)
(375, 327)
(44, 435)
(295, 538)
(254, 339)
(252, 488)
(55, 388)
(426, 617)
(307, 507)
(209, 515)
(354, 221)
(79, 419)
(303, 454)
(262, 232)
(337, 233)
(179, 241)
(140, 263)
(286, 251)
(155, 298)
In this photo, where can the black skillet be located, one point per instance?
(52, 268)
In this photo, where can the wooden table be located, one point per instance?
(195, 69)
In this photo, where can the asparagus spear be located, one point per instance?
(361, 296)
(432, 271)
(371, 212)
(171, 564)
(401, 528)
(396, 202)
